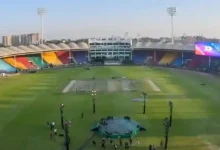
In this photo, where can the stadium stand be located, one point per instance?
(14, 63)
(143, 52)
(215, 63)
(159, 56)
(24, 60)
(150, 58)
(63, 56)
(197, 61)
(51, 58)
(204, 62)
(139, 56)
(6, 67)
(36, 60)
(178, 61)
(204, 65)
(80, 56)
(168, 58)
(188, 55)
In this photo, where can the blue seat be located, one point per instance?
(178, 62)
(80, 56)
(6, 67)
(139, 56)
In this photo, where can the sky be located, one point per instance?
(76, 19)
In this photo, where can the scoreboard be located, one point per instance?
(207, 49)
(110, 48)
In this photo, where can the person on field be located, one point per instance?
(52, 125)
(94, 143)
(126, 145)
(150, 147)
(48, 124)
(52, 137)
(103, 140)
(111, 142)
(161, 143)
(130, 141)
(138, 142)
(103, 145)
(115, 146)
(153, 147)
(120, 142)
(55, 131)
(82, 115)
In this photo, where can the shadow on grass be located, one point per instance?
(167, 96)
(86, 142)
(180, 127)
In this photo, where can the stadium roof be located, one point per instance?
(21, 50)
(164, 46)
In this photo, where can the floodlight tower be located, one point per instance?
(144, 104)
(166, 124)
(41, 12)
(61, 115)
(93, 100)
(171, 112)
(171, 12)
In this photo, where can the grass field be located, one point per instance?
(28, 101)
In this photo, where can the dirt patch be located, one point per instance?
(109, 85)
(67, 88)
(153, 86)
(4, 75)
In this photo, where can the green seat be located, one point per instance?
(37, 61)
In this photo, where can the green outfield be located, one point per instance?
(28, 101)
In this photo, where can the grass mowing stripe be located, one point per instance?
(196, 108)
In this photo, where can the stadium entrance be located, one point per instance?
(110, 51)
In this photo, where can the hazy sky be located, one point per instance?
(95, 18)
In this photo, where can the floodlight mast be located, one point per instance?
(171, 12)
(41, 12)
(93, 100)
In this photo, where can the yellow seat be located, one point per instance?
(15, 64)
(168, 58)
(51, 58)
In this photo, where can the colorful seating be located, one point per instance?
(139, 56)
(178, 62)
(80, 56)
(24, 60)
(6, 67)
(63, 56)
(14, 63)
(168, 58)
(36, 60)
(197, 61)
(51, 58)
